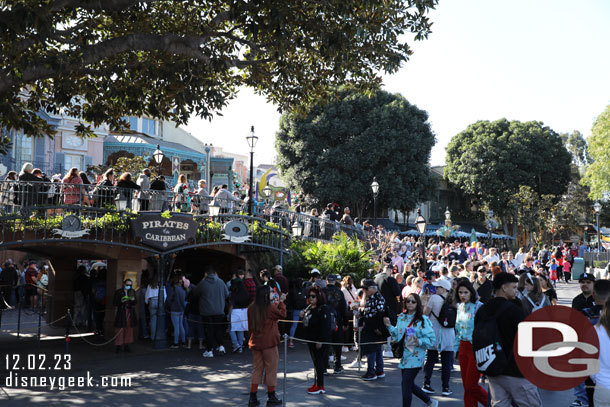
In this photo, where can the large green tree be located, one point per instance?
(577, 146)
(492, 160)
(98, 60)
(597, 176)
(333, 151)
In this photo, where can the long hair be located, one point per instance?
(419, 309)
(260, 308)
(468, 285)
(604, 320)
(536, 293)
(348, 283)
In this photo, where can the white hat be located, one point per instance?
(446, 284)
(314, 271)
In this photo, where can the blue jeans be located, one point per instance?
(409, 388)
(581, 394)
(375, 361)
(195, 326)
(295, 317)
(446, 364)
(179, 334)
(153, 304)
(237, 338)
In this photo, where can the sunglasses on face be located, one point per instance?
(410, 302)
(313, 296)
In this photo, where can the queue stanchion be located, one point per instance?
(285, 369)
(359, 351)
(68, 324)
(19, 318)
(39, 325)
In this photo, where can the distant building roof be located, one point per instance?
(140, 138)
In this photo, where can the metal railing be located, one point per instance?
(38, 207)
(312, 227)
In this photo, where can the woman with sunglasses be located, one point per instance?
(316, 321)
(468, 305)
(415, 329)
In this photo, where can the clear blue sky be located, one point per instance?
(544, 60)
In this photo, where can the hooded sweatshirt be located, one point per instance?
(213, 294)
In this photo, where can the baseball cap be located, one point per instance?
(315, 271)
(481, 269)
(446, 284)
(331, 278)
(587, 276)
(502, 278)
(368, 284)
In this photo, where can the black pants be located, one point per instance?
(320, 359)
(336, 349)
(144, 204)
(214, 330)
(446, 363)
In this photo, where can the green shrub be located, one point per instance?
(600, 264)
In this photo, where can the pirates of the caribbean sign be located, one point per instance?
(162, 233)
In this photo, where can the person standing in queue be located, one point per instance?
(317, 324)
(415, 329)
(125, 320)
(264, 338)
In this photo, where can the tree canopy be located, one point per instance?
(492, 160)
(597, 175)
(333, 152)
(577, 146)
(98, 60)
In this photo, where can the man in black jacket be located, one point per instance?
(336, 300)
(374, 330)
(510, 386)
(483, 286)
(581, 302)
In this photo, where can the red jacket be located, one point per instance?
(269, 336)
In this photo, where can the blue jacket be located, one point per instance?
(424, 334)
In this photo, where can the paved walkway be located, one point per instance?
(184, 378)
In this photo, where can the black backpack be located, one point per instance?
(491, 358)
(300, 300)
(239, 294)
(446, 318)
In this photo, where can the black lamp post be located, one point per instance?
(267, 192)
(252, 139)
(375, 188)
(420, 223)
(490, 215)
(597, 207)
(158, 157)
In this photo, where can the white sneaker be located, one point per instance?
(355, 364)
(221, 349)
(331, 358)
(344, 349)
(433, 403)
(343, 358)
(208, 354)
(388, 354)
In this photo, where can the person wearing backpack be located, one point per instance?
(297, 301)
(533, 298)
(495, 328)
(416, 332)
(442, 313)
(338, 310)
(239, 300)
(468, 305)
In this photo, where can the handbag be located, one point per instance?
(398, 348)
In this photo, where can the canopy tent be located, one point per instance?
(459, 234)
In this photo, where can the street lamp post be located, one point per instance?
(158, 157)
(252, 139)
(490, 215)
(375, 188)
(420, 223)
(597, 207)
